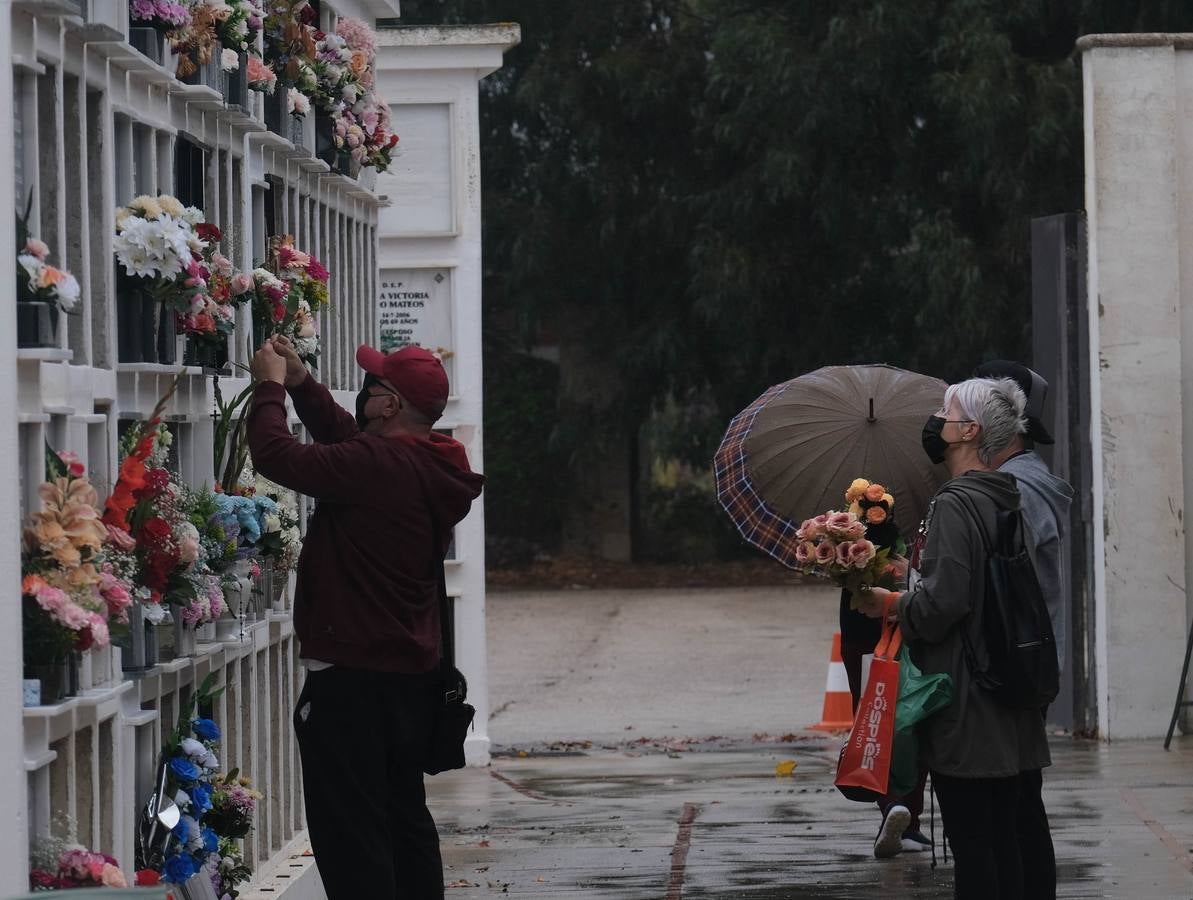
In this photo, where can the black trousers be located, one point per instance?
(363, 737)
(999, 833)
(1035, 839)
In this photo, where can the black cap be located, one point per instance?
(1034, 387)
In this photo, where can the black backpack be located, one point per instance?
(1022, 670)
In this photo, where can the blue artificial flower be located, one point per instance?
(184, 769)
(201, 797)
(182, 830)
(250, 528)
(211, 840)
(179, 868)
(206, 730)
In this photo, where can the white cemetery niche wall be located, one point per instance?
(89, 124)
(429, 280)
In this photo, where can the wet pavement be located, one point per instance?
(712, 820)
(603, 784)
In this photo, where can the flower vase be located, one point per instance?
(139, 644)
(230, 626)
(52, 677)
(206, 74)
(184, 638)
(167, 334)
(74, 662)
(325, 140)
(209, 356)
(235, 85)
(298, 133)
(277, 113)
(167, 647)
(37, 323)
(149, 41)
(135, 334)
(197, 887)
(205, 633)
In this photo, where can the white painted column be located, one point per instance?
(429, 260)
(1141, 377)
(14, 847)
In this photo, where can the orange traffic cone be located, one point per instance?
(838, 702)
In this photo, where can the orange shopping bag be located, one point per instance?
(864, 767)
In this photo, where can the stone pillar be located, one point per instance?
(14, 849)
(429, 272)
(1138, 170)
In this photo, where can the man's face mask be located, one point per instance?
(367, 391)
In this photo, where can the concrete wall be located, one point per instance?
(1139, 174)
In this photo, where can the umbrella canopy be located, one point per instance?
(791, 453)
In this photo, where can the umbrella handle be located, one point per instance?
(870, 418)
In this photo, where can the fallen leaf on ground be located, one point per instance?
(484, 843)
(786, 768)
(462, 882)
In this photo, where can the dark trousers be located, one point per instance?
(851, 656)
(1035, 839)
(363, 737)
(981, 822)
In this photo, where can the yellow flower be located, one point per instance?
(889, 500)
(171, 205)
(856, 508)
(148, 206)
(856, 490)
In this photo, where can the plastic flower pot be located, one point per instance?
(37, 322)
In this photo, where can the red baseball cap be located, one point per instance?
(417, 374)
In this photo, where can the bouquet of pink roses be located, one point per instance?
(834, 545)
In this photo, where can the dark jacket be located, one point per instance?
(976, 737)
(367, 594)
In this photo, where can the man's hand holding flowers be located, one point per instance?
(267, 365)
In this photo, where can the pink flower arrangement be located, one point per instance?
(78, 867)
(260, 76)
(160, 13)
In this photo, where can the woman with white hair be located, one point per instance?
(977, 747)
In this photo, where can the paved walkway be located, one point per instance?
(714, 821)
(605, 786)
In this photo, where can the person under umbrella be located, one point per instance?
(900, 828)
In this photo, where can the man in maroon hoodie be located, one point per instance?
(366, 609)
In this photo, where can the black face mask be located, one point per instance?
(934, 445)
(362, 421)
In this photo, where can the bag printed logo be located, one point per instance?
(873, 728)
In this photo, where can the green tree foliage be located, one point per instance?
(711, 196)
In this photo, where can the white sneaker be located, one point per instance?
(890, 836)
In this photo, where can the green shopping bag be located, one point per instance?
(920, 696)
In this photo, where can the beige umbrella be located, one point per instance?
(792, 452)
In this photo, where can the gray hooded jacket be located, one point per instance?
(1046, 500)
(975, 737)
